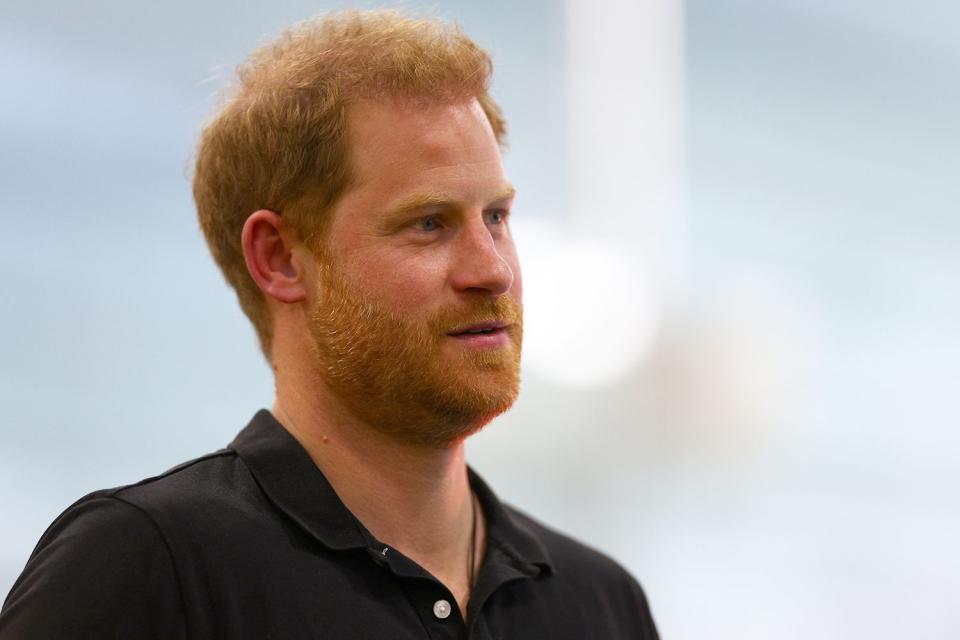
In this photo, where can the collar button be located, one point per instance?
(441, 609)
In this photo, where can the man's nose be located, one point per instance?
(479, 266)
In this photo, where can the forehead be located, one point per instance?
(396, 146)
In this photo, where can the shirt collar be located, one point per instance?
(291, 480)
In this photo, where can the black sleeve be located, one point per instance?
(641, 609)
(102, 570)
(624, 603)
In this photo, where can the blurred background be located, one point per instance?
(740, 235)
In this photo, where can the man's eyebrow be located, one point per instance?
(418, 202)
(506, 193)
(427, 200)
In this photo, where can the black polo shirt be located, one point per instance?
(252, 542)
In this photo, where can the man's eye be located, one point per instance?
(497, 216)
(430, 223)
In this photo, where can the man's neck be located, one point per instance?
(416, 499)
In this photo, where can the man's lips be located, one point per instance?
(480, 329)
(482, 336)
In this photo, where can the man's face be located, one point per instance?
(416, 317)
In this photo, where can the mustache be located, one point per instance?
(503, 310)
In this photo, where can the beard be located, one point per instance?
(402, 374)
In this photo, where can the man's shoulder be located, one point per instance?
(205, 489)
(112, 557)
(193, 480)
(589, 582)
(569, 555)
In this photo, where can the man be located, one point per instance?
(351, 189)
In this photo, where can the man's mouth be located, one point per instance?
(482, 335)
(479, 329)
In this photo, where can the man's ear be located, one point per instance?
(268, 249)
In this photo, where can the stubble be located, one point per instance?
(404, 376)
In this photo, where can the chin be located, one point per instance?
(458, 412)
(494, 409)
(472, 428)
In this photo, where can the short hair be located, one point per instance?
(278, 140)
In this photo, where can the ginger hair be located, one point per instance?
(279, 139)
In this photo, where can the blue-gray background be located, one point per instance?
(783, 464)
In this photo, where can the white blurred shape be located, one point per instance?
(625, 122)
(590, 310)
(732, 371)
(592, 291)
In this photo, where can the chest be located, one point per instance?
(297, 589)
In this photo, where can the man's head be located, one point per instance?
(360, 210)
(279, 141)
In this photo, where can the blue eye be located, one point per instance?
(497, 216)
(430, 223)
